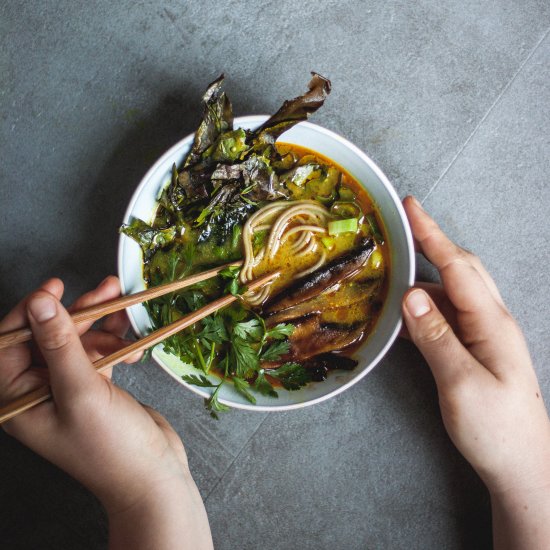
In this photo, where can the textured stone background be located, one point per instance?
(450, 99)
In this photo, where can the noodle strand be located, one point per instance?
(300, 220)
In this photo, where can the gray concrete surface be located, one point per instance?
(450, 98)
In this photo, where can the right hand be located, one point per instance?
(489, 396)
(125, 453)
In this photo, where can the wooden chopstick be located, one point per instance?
(43, 393)
(93, 313)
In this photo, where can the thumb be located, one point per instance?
(448, 359)
(57, 338)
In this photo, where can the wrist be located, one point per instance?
(129, 484)
(529, 476)
(519, 496)
(169, 515)
(142, 491)
(159, 495)
(520, 518)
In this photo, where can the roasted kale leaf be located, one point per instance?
(294, 110)
(149, 238)
(217, 118)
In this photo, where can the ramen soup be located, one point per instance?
(268, 207)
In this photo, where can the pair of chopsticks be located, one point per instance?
(96, 312)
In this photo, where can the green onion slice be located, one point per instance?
(342, 226)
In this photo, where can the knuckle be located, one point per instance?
(57, 338)
(433, 331)
(473, 259)
(464, 254)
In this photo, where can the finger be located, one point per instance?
(438, 295)
(117, 324)
(449, 361)
(17, 317)
(108, 289)
(443, 253)
(98, 344)
(486, 327)
(12, 389)
(463, 283)
(15, 360)
(56, 336)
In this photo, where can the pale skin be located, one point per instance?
(489, 395)
(490, 401)
(125, 453)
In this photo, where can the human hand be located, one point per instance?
(125, 453)
(489, 396)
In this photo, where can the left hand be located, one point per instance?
(23, 368)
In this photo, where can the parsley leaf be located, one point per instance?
(234, 313)
(250, 329)
(242, 387)
(244, 356)
(234, 288)
(230, 272)
(263, 386)
(275, 350)
(194, 299)
(292, 376)
(200, 381)
(280, 331)
(258, 240)
(214, 330)
(213, 405)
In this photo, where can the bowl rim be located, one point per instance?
(250, 120)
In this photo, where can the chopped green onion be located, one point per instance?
(376, 259)
(326, 200)
(342, 226)
(346, 194)
(328, 242)
(375, 230)
(346, 209)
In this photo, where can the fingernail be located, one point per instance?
(417, 303)
(43, 308)
(417, 203)
(104, 281)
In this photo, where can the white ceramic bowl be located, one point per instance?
(360, 166)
